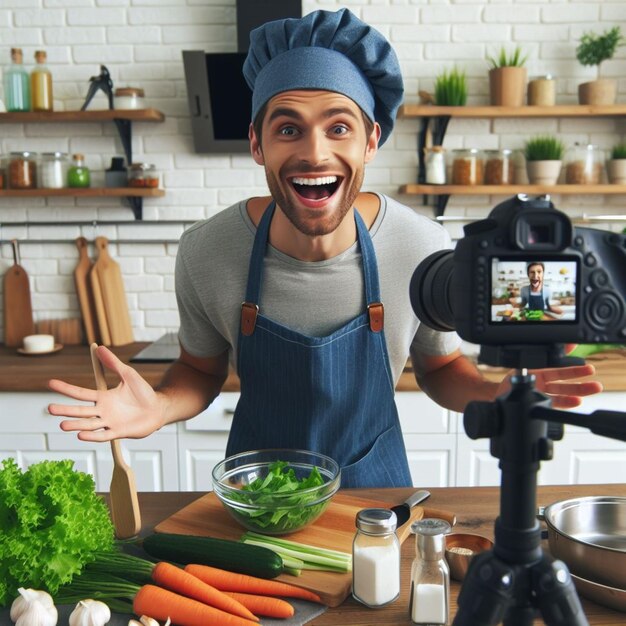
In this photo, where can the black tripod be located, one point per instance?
(510, 583)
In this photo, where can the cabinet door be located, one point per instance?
(217, 417)
(419, 414)
(198, 453)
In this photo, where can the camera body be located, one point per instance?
(525, 275)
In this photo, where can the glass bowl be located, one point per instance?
(275, 512)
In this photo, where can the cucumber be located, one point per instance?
(222, 553)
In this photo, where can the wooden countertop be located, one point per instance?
(476, 509)
(20, 372)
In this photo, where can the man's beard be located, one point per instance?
(319, 227)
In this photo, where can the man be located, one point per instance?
(536, 295)
(317, 354)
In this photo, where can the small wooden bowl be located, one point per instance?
(460, 548)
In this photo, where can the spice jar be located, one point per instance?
(429, 602)
(53, 170)
(499, 167)
(128, 98)
(467, 167)
(584, 165)
(143, 175)
(435, 161)
(542, 91)
(78, 174)
(376, 558)
(22, 170)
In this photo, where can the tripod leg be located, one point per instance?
(556, 595)
(487, 592)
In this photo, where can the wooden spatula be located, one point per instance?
(18, 312)
(123, 492)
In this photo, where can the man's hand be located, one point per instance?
(561, 384)
(132, 409)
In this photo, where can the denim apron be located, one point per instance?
(536, 302)
(332, 395)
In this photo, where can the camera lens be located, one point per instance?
(431, 291)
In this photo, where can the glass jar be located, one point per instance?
(435, 161)
(542, 91)
(53, 170)
(78, 174)
(143, 175)
(22, 170)
(429, 602)
(584, 165)
(376, 558)
(128, 98)
(499, 167)
(467, 167)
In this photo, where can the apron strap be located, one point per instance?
(250, 308)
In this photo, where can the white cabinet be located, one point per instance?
(182, 456)
(30, 434)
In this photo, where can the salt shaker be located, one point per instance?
(376, 558)
(435, 165)
(429, 602)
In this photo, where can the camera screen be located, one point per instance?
(533, 290)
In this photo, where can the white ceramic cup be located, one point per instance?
(38, 343)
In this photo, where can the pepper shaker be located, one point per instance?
(429, 603)
(376, 558)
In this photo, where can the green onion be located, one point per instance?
(312, 557)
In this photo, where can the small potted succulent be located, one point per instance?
(451, 88)
(507, 78)
(544, 157)
(616, 165)
(592, 50)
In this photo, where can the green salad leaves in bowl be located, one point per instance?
(278, 491)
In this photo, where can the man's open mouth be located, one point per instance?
(319, 188)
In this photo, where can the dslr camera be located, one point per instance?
(525, 275)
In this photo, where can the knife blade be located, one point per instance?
(403, 511)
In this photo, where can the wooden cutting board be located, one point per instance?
(84, 292)
(18, 311)
(334, 529)
(108, 288)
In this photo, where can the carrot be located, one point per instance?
(263, 605)
(161, 603)
(230, 581)
(176, 579)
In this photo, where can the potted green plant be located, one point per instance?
(593, 50)
(544, 157)
(616, 165)
(507, 78)
(451, 88)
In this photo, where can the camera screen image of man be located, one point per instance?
(323, 269)
(536, 295)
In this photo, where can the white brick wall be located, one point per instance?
(141, 41)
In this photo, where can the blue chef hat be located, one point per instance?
(332, 51)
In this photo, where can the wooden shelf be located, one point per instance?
(505, 190)
(104, 115)
(88, 192)
(487, 112)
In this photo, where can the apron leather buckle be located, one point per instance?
(249, 311)
(376, 313)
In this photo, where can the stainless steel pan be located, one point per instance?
(589, 534)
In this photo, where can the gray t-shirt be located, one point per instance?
(313, 298)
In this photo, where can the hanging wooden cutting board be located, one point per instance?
(84, 292)
(107, 279)
(334, 529)
(18, 311)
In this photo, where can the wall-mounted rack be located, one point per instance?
(123, 120)
(435, 120)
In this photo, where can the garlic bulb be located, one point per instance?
(90, 613)
(34, 608)
(144, 620)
